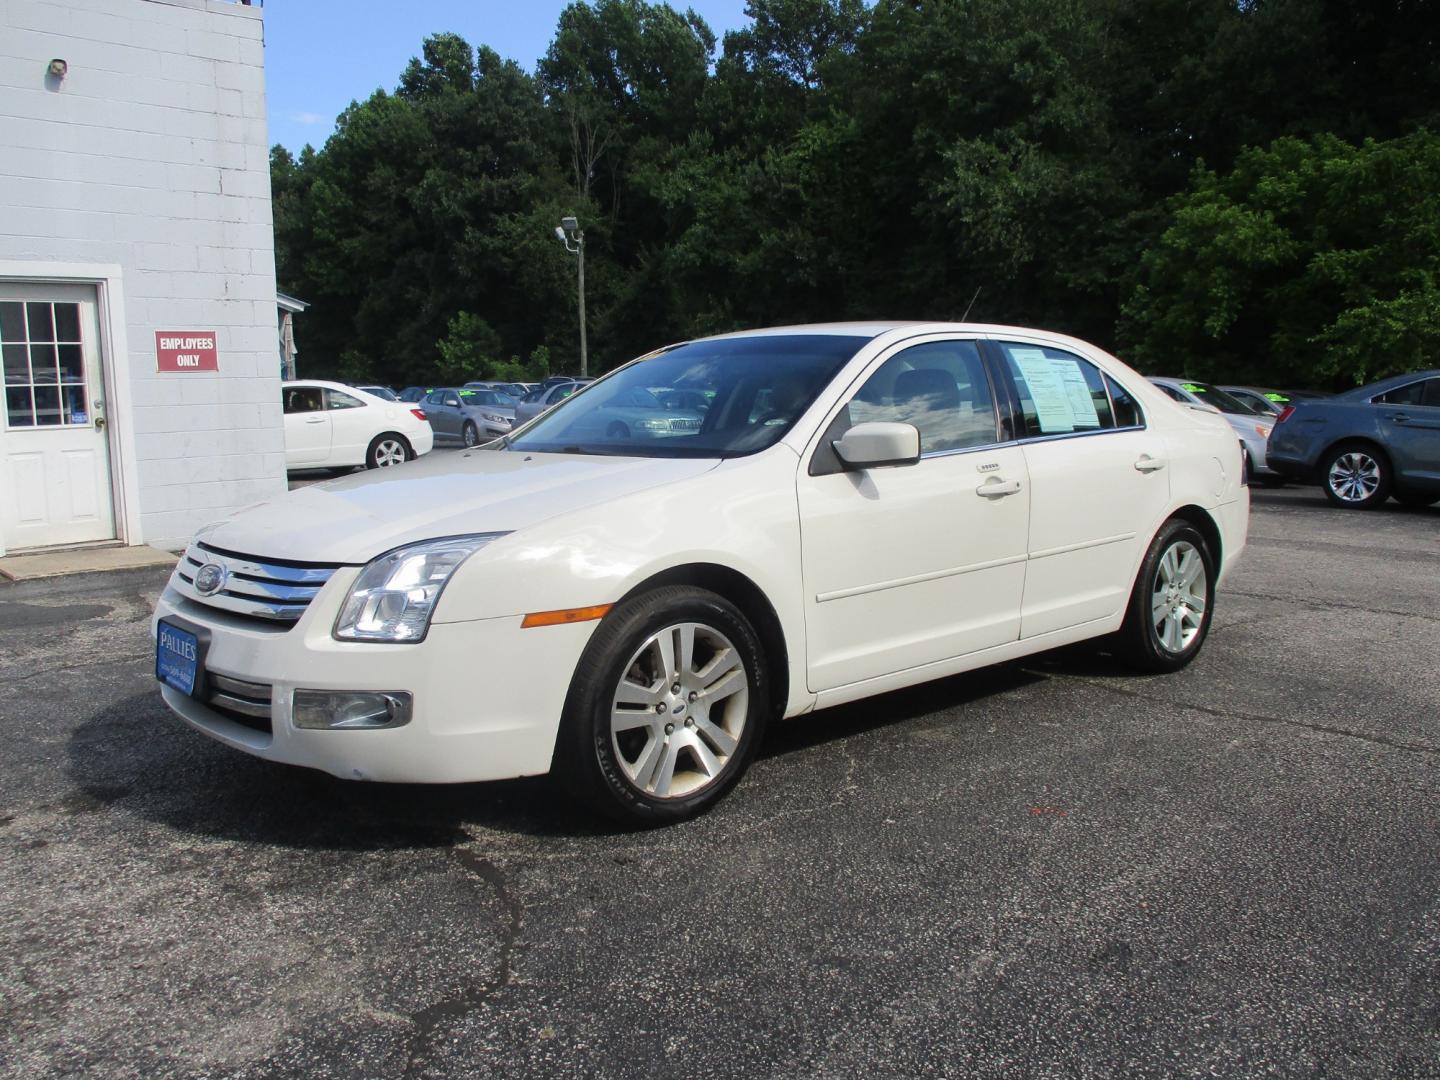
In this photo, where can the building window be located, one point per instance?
(44, 362)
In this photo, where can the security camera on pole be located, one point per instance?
(574, 240)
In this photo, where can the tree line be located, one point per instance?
(1235, 189)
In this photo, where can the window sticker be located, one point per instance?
(1193, 388)
(1048, 390)
(1082, 405)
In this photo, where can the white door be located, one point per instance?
(1098, 483)
(907, 565)
(55, 450)
(353, 423)
(307, 426)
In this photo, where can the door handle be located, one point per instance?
(99, 423)
(995, 487)
(316, 420)
(1399, 418)
(1146, 463)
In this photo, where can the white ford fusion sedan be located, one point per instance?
(857, 507)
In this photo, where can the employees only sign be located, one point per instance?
(186, 350)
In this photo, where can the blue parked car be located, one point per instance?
(1367, 444)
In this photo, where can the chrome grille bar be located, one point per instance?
(269, 590)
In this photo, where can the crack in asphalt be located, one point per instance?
(1336, 605)
(6, 678)
(427, 1021)
(1256, 718)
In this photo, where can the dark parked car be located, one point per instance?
(1366, 444)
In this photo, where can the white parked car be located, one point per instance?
(864, 507)
(330, 425)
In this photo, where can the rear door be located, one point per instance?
(307, 426)
(353, 424)
(1410, 428)
(1099, 484)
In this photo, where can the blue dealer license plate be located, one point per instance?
(177, 657)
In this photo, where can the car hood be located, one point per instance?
(353, 519)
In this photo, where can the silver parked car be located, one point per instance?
(541, 398)
(468, 416)
(622, 414)
(1252, 427)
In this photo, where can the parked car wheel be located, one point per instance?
(666, 708)
(1356, 476)
(470, 434)
(1172, 603)
(386, 450)
(1416, 498)
(618, 430)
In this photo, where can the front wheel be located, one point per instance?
(386, 451)
(1173, 600)
(1356, 476)
(470, 434)
(666, 707)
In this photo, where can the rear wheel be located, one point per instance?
(1173, 600)
(386, 451)
(666, 707)
(1356, 476)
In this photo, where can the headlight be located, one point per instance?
(494, 418)
(653, 425)
(394, 597)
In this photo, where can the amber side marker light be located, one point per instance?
(562, 618)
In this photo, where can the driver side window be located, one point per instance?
(939, 387)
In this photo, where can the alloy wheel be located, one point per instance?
(389, 452)
(1354, 476)
(679, 710)
(1179, 596)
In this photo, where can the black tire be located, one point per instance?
(1139, 640)
(470, 434)
(1356, 476)
(387, 449)
(597, 764)
(1416, 498)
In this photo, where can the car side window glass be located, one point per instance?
(1059, 393)
(1170, 391)
(1425, 392)
(303, 399)
(939, 387)
(452, 400)
(334, 399)
(1127, 409)
(1432, 393)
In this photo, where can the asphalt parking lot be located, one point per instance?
(1053, 868)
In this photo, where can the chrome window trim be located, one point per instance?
(1057, 436)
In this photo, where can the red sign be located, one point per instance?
(186, 350)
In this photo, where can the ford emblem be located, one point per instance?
(210, 579)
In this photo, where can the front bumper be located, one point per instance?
(487, 695)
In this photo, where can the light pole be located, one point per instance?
(573, 238)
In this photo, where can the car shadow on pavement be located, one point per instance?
(135, 757)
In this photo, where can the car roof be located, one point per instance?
(1379, 386)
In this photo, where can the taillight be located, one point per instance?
(1284, 414)
(419, 414)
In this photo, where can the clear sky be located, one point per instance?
(320, 55)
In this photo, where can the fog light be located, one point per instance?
(351, 710)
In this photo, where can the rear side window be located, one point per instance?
(1059, 392)
(334, 399)
(1425, 392)
(939, 387)
(1126, 408)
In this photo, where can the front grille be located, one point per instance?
(684, 425)
(276, 591)
(245, 703)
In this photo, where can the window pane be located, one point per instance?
(303, 399)
(1127, 409)
(41, 327)
(17, 407)
(334, 399)
(72, 363)
(940, 388)
(47, 406)
(67, 322)
(75, 410)
(1404, 395)
(12, 321)
(1059, 392)
(17, 367)
(43, 364)
(1432, 392)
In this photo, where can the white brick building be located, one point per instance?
(134, 228)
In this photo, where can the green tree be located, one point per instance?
(1311, 262)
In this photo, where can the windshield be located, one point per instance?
(1226, 403)
(487, 397)
(716, 398)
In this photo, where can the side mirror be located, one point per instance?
(878, 443)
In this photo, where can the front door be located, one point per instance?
(1410, 430)
(55, 450)
(307, 426)
(913, 564)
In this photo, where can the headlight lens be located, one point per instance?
(653, 425)
(495, 418)
(394, 597)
